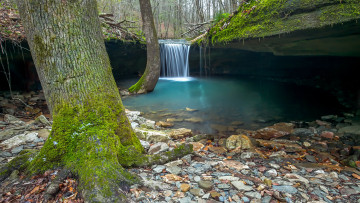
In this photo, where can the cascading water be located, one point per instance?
(174, 57)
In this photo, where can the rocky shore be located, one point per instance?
(287, 162)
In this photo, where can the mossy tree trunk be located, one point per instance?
(151, 75)
(90, 130)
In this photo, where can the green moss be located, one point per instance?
(135, 88)
(84, 138)
(260, 18)
(18, 163)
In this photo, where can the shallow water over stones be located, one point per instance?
(224, 105)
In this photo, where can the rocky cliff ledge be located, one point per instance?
(291, 27)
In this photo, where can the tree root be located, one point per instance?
(105, 181)
(18, 163)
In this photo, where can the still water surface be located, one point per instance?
(230, 102)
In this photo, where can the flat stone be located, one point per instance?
(194, 120)
(164, 124)
(239, 185)
(5, 154)
(247, 155)
(174, 163)
(287, 145)
(172, 120)
(223, 186)
(152, 136)
(18, 149)
(158, 147)
(197, 192)
(235, 164)
(206, 196)
(159, 169)
(285, 188)
(296, 178)
(350, 130)
(174, 170)
(13, 120)
(275, 131)
(206, 185)
(185, 200)
(19, 140)
(180, 133)
(217, 150)
(275, 166)
(229, 178)
(256, 195)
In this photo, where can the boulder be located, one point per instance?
(152, 136)
(242, 142)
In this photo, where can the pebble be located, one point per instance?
(206, 185)
(197, 178)
(184, 187)
(271, 173)
(275, 166)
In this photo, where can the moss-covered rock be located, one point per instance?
(258, 24)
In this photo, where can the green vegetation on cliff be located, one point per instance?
(261, 18)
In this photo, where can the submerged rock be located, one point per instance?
(275, 131)
(164, 124)
(355, 130)
(194, 120)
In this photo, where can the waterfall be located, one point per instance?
(174, 57)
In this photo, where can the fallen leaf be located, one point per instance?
(356, 176)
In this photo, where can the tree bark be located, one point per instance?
(90, 129)
(151, 75)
